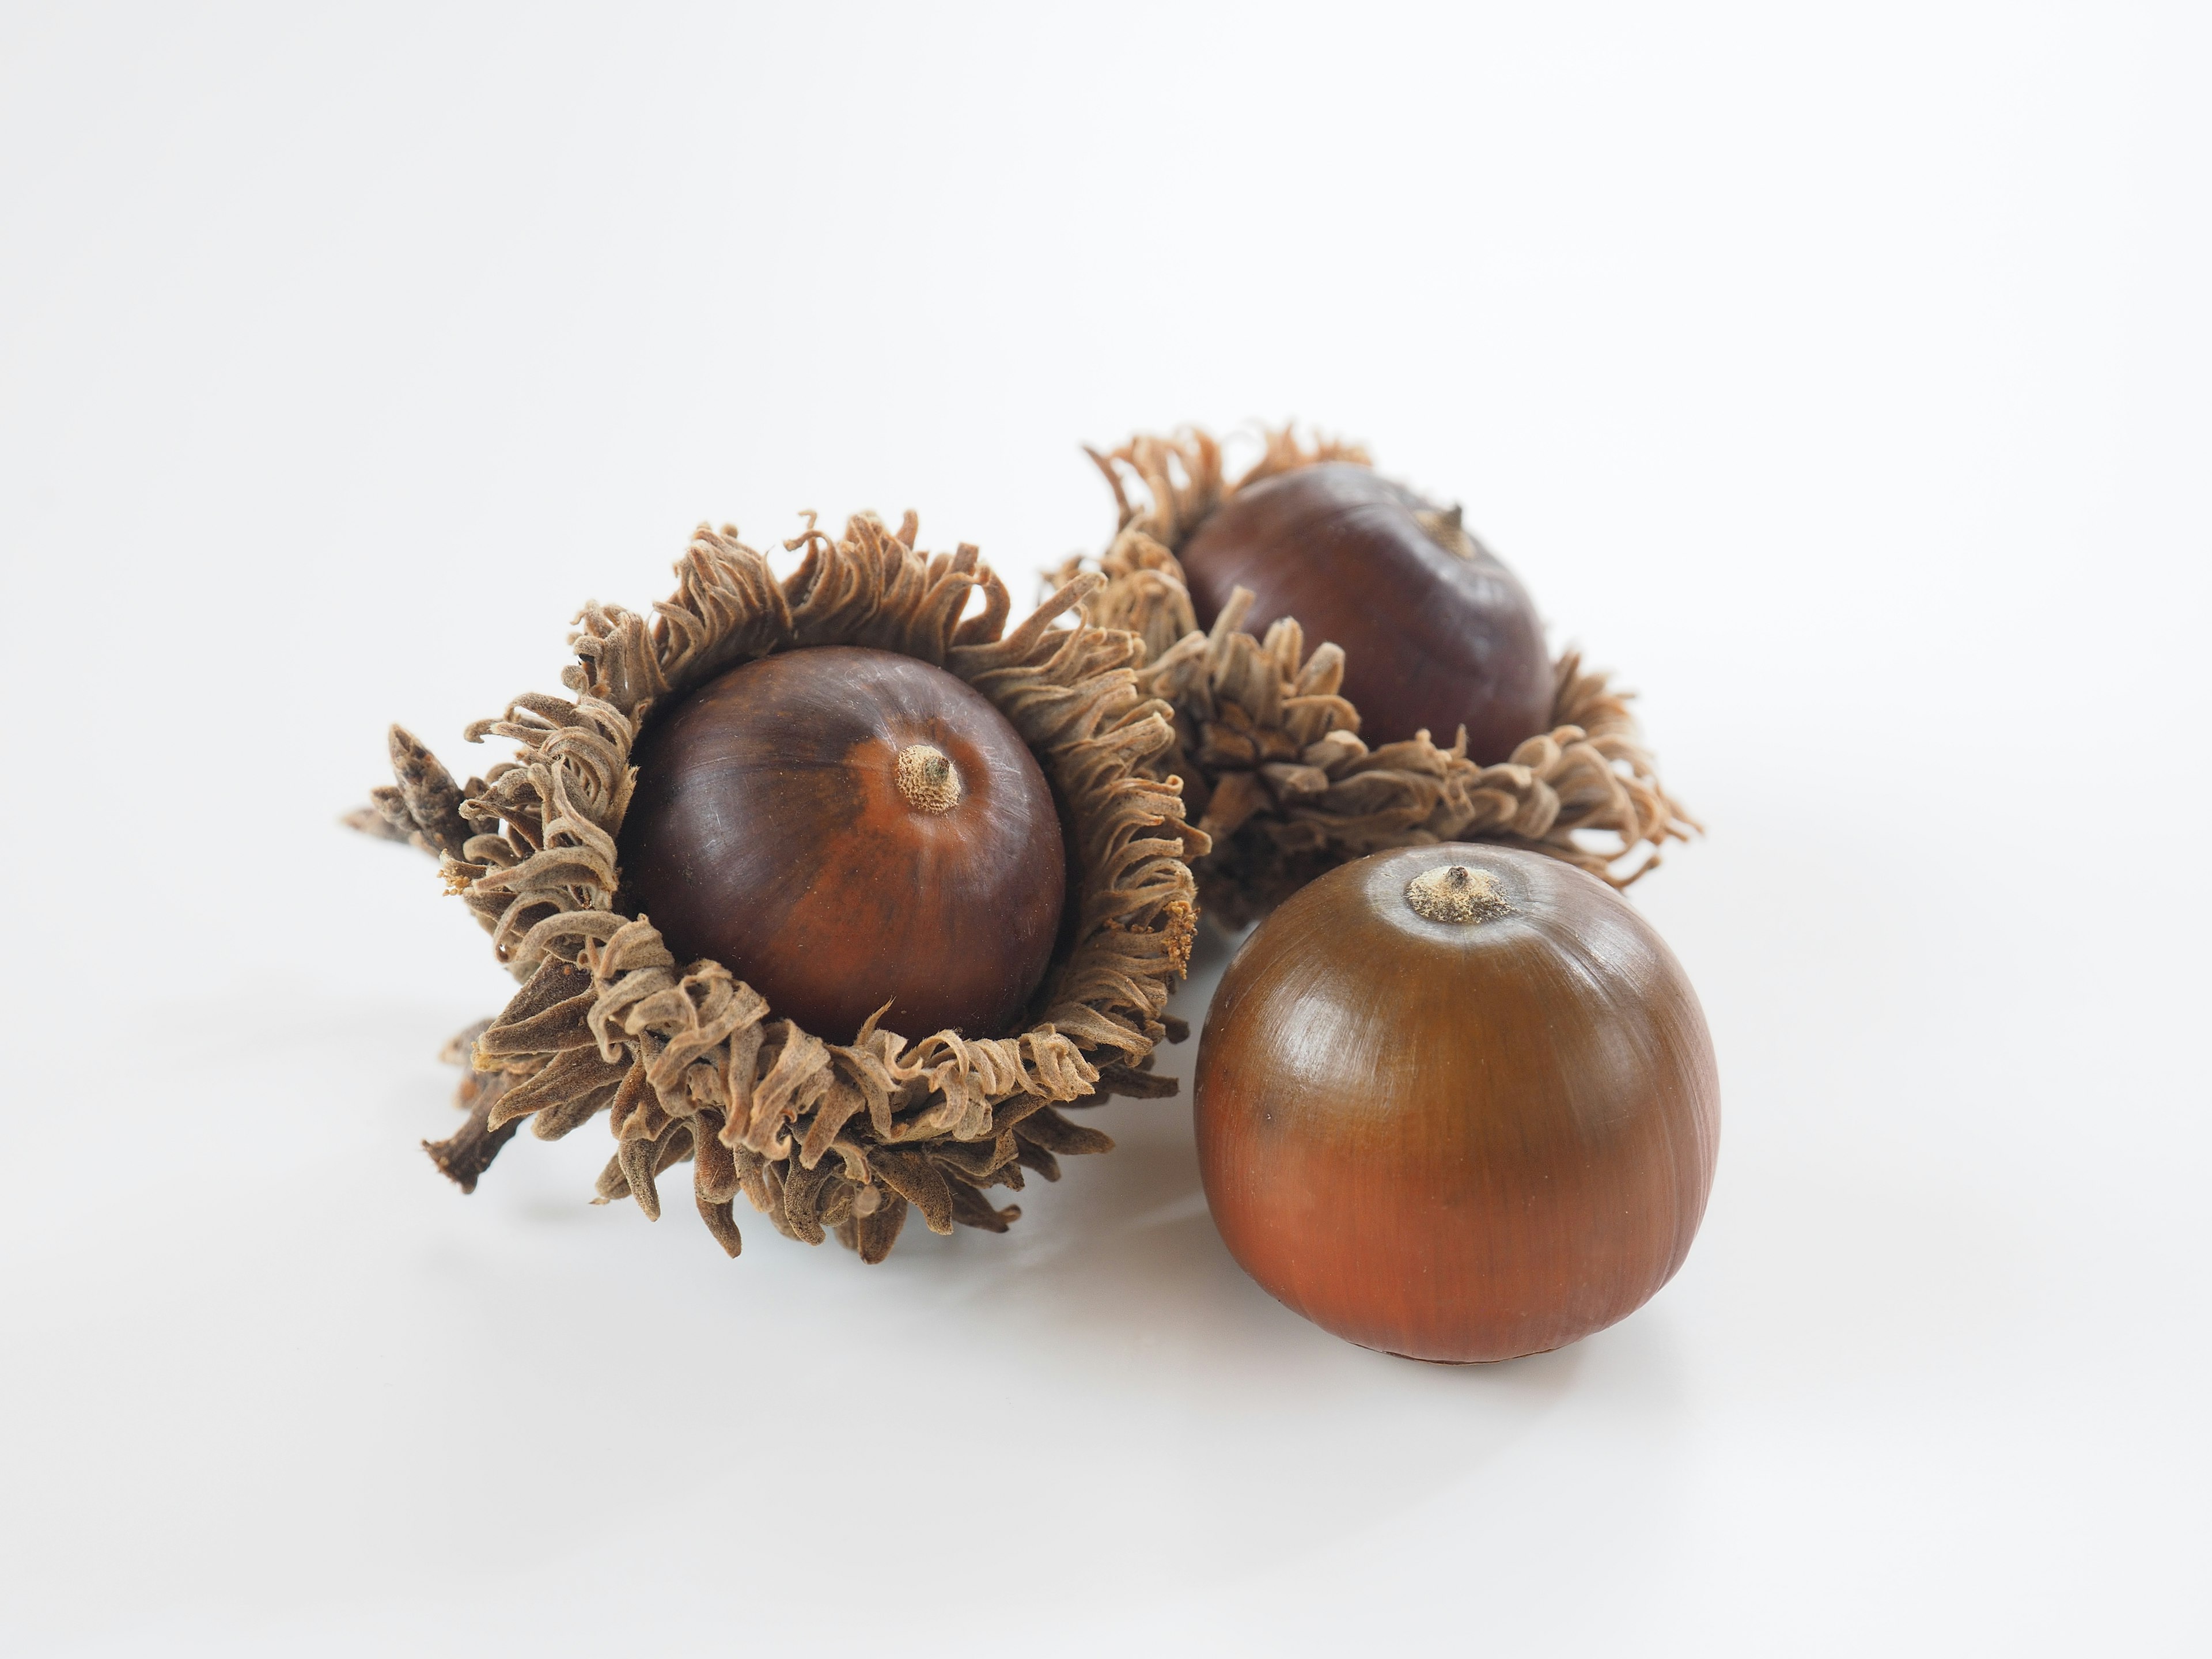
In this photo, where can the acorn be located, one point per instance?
(847, 830)
(1457, 1102)
(823, 886)
(1438, 634)
(1299, 761)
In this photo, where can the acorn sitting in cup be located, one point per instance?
(1438, 634)
(823, 884)
(1427, 710)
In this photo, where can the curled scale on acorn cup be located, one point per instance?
(1299, 761)
(1457, 1102)
(780, 826)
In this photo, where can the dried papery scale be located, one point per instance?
(1269, 749)
(690, 1062)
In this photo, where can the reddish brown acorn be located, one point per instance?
(1457, 1102)
(1437, 633)
(844, 827)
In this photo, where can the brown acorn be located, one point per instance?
(844, 828)
(1457, 1102)
(788, 822)
(1439, 635)
(1292, 772)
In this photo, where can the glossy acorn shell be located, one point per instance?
(1453, 1140)
(1433, 639)
(768, 831)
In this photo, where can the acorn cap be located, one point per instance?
(1268, 747)
(690, 1062)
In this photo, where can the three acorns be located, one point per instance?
(842, 891)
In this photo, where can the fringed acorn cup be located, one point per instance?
(780, 825)
(1432, 633)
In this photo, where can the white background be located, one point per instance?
(1838, 374)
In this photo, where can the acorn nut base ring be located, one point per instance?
(691, 1063)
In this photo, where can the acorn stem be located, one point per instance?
(1442, 526)
(927, 779)
(1455, 893)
